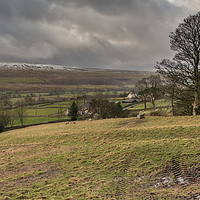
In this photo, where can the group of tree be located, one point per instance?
(100, 108)
(181, 75)
(104, 108)
(149, 89)
(177, 79)
(9, 116)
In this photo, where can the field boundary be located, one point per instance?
(29, 125)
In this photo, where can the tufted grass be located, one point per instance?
(104, 159)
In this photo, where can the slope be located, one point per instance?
(152, 158)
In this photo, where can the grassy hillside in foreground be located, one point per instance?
(105, 159)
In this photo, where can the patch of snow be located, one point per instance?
(167, 180)
(28, 66)
(181, 180)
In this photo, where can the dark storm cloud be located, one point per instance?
(5, 10)
(108, 7)
(31, 9)
(128, 34)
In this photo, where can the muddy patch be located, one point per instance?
(176, 177)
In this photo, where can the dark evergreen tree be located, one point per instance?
(118, 110)
(73, 113)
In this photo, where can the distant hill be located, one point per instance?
(28, 66)
(34, 77)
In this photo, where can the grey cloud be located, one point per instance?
(31, 9)
(128, 34)
(108, 7)
(5, 10)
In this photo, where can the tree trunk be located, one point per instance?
(196, 90)
(145, 103)
(21, 121)
(153, 103)
(196, 103)
(172, 104)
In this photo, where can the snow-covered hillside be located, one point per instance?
(27, 66)
(50, 67)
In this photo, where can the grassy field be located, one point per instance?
(36, 120)
(158, 103)
(44, 112)
(161, 104)
(104, 159)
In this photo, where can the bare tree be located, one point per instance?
(184, 69)
(20, 111)
(169, 90)
(13, 117)
(154, 88)
(149, 88)
(5, 101)
(142, 92)
(60, 113)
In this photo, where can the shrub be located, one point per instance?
(182, 110)
(4, 120)
(1, 127)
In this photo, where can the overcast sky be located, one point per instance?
(116, 34)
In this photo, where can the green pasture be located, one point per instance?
(158, 103)
(35, 120)
(103, 159)
(42, 112)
